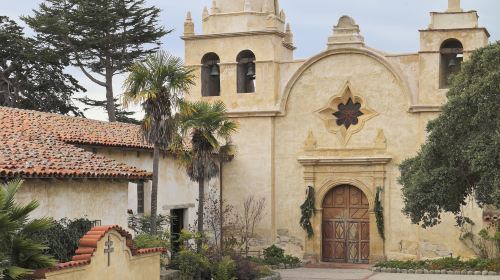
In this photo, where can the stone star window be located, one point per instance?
(348, 114)
(345, 114)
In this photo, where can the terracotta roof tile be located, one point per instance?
(88, 244)
(38, 145)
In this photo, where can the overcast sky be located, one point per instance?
(388, 25)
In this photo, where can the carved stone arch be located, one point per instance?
(393, 69)
(331, 183)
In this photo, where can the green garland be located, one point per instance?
(307, 210)
(379, 213)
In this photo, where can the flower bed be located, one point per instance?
(441, 266)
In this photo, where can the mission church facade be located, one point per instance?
(340, 121)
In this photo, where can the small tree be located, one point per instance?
(461, 157)
(205, 124)
(101, 37)
(253, 212)
(20, 255)
(158, 84)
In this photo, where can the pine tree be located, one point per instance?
(32, 74)
(101, 37)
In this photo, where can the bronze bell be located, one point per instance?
(251, 70)
(215, 70)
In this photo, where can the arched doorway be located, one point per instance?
(345, 226)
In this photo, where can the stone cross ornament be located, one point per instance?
(109, 249)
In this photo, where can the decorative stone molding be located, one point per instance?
(344, 160)
(393, 69)
(331, 120)
(346, 33)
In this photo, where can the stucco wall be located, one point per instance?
(92, 199)
(122, 264)
(175, 190)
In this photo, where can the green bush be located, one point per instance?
(63, 238)
(224, 269)
(190, 264)
(444, 263)
(152, 241)
(274, 255)
(291, 260)
(142, 224)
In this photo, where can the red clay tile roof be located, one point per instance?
(88, 245)
(35, 145)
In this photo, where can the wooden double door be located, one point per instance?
(345, 226)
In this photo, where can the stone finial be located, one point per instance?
(310, 143)
(188, 25)
(214, 8)
(248, 6)
(346, 34)
(282, 16)
(288, 35)
(380, 140)
(454, 6)
(205, 13)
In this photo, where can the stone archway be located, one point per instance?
(345, 225)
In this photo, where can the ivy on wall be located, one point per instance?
(379, 213)
(307, 210)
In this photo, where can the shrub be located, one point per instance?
(224, 269)
(444, 263)
(274, 255)
(152, 241)
(63, 238)
(291, 260)
(246, 269)
(264, 271)
(190, 264)
(142, 224)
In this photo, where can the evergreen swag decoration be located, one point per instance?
(307, 210)
(379, 213)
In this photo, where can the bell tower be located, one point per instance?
(238, 53)
(448, 40)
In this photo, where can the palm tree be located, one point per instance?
(158, 84)
(206, 124)
(20, 255)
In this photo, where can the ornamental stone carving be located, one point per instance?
(345, 114)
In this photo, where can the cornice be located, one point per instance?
(332, 161)
(234, 34)
(425, 108)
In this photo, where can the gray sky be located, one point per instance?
(388, 25)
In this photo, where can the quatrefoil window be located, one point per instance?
(348, 114)
(345, 114)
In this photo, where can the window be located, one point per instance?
(210, 75)
(140, 198)
(246, 73)
(452, 56)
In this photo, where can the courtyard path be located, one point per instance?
(364, 274)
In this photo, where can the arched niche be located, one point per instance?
(210, 75)
(451, 58)
(246, 72)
